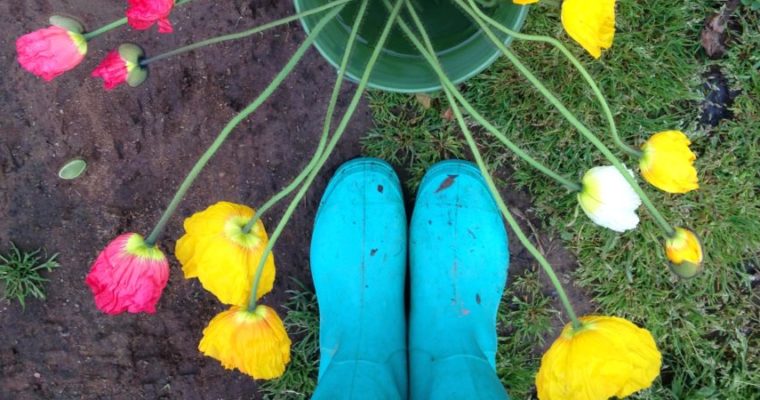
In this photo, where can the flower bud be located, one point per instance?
(122, 66)
(684, 250)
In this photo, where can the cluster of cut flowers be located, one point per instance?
(227, 249)
(600, 357)
(51, 51)
(129, 275)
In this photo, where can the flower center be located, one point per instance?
(136, 246)
(233, 230)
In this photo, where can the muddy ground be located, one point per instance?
(139, 144)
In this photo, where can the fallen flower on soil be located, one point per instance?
(605, 357)
(216, 250)
(122, 66)
(255, 342)
(128, 275)
(142, 14)
(51, 51)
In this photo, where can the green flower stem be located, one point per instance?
(429, 54)
(669, 231)
(510, 218)
(578, 66)
(330, 147)
(201, 163)
(568, 183)
(243, 34)
(326, 127)
(118, 23)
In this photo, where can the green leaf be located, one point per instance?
(72, 169)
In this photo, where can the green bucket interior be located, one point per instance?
(462, 48)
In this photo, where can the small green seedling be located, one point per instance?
(20, 274)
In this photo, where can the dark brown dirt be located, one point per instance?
(139, 144)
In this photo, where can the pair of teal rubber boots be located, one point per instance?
(443, 345)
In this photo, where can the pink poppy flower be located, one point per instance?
(142, 14)
(51, 51)
(113, 69)
(128, 275)
(122, 66)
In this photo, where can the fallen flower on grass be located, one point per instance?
(668, 163)
(605, 357)
(609, 200)
(255, 342)
(685, 253)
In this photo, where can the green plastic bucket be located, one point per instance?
(463, 49)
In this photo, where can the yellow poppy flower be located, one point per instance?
(591, 23)
(606, 357)
(215, 250)
(523, 2)
(668, 164)
(255, 342)
(685, 252)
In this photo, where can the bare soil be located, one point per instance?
(139, 144)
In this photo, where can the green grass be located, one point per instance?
(707, 327)
(302, 323)
(20, 274)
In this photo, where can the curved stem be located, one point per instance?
(201, 163)
(325, 128)
(590, 136)
(243, 34)
(105, 28)
(482, 121)
(578, 66)
(115, 24)
(330, 147)
(433, 61)
(510, 218)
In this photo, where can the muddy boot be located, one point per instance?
(458, 267)
(358, 261)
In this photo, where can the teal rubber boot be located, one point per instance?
(358, 262)
(459, 259)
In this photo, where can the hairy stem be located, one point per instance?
(429, 54)
(201, 163)
(578, 66)
(590, 136)
(325, 128)
(330, 147)
(243, 34)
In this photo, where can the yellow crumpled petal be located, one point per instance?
(523, 2)
(668, 163)
(591, 23)
(215, 250)
(255, 342)
(607, 357)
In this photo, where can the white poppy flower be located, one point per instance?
(608, 199)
